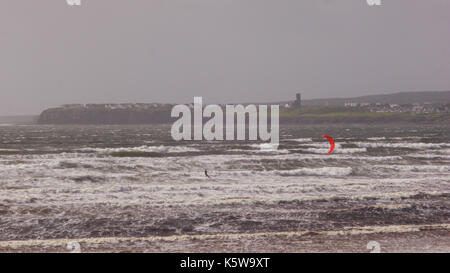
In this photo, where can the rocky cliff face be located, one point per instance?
(106, 115)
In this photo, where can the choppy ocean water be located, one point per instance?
(122, 181)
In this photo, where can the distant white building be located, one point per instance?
(351, 104)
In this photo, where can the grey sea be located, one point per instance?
(134, 189)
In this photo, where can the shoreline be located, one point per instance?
(394, 238)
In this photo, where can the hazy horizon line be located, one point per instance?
(279, 101)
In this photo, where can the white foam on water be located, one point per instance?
(300, 139)
(265, 146)
(346, 231)
(324, 171)
(335, 151)
(261, 151)
(413, 145)
(418, 168)
(403, 138)
(144, 148)
(440, 156)
(321, 145)
(268, 148)
(379, 158)
(376, 138)
(235, 177)
(444, 151)
(180, 180)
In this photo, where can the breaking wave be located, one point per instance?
(268, 148)
(376, 138)
(300, 139)
(420, 168)
(336, 151)
(147, 149)
(324, 171)
(416, 145)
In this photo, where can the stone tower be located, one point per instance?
(298, 100)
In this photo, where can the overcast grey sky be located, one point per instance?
(223, 50)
